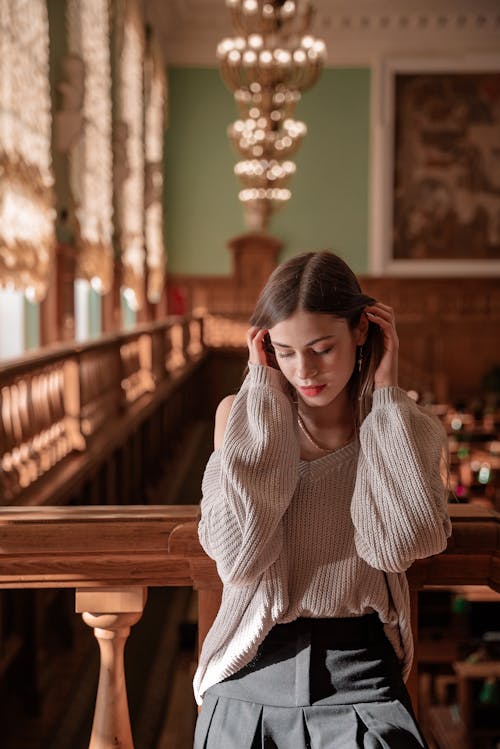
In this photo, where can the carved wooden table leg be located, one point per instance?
(111, 613)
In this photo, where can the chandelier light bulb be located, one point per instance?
(249, 57)
(255, 41)
(300, 57)
(224, 47)
(320, 47)
(288, 9)
(282, 56)
(250, 6)
(307, 41)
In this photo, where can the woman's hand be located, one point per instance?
(386, 374)
(257, 347)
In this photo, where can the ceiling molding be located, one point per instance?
(355, 31)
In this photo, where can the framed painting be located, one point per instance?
(436, 168)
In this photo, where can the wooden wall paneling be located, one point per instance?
(123, 483)
(156, 438)
(478, 351)
(110, 482)
(138, 478)
(95, 489)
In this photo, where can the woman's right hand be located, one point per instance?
(256, 346)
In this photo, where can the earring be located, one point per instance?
(360, 358)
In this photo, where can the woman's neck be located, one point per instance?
(338, 414)
(325, 428)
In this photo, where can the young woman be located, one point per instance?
(324, 486)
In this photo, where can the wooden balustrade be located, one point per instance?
(54, 403)
(111, 555)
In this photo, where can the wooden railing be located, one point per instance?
(56, 402)
(111, 555)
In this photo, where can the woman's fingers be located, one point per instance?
(381, 310)
(255, 342)
(387, 370)
(383, 315)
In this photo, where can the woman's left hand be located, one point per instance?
(386, 374)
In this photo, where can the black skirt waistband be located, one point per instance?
(313, 661)
(334, 631)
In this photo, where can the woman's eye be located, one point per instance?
(323, 351)
(284, 356)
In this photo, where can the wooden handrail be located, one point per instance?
(111, 555)
(92, 547)
(104, 546)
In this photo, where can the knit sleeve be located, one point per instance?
(249, 482)
(399, 505)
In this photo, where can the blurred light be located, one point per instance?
(96, 283)
(484, 474)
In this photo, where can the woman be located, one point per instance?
(324, 486)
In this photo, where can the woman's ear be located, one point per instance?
(361, 330)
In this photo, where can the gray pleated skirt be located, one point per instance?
(313, 684)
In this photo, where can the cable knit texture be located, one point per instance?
(325, 538)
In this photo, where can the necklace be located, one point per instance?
(316, 444)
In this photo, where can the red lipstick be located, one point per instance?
(312, 391)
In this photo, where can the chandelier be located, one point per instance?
(268, 64)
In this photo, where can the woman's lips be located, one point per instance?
(312, 391)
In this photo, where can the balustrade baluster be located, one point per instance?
(111, 613)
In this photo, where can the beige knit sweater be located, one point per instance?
(323, 538)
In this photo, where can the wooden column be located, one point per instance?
(111, 613)
(111, 303)
(57, 311)
(255, 256)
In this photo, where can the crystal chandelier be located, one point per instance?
(271, 61)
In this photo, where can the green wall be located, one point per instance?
(329, 204)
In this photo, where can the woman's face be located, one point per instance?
(317, 354)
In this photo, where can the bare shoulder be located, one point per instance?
(221, 417)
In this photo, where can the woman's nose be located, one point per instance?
(306, 368)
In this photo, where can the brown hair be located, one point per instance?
(322, 282)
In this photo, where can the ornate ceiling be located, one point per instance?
(357, 32)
